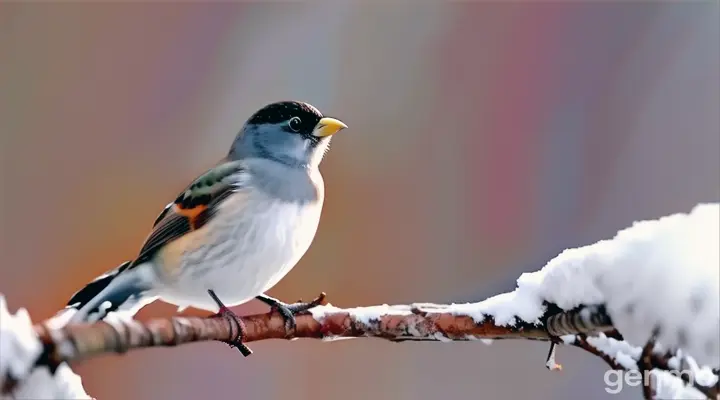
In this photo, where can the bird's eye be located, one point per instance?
(295, 123)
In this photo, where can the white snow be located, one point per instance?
(442, 338)
(361, 314)
(504, 308)
(668, 386)
(671, 280)
(60, 319)
(19, 348)
(702, 374)
(65, 384)
(473, 338)
(625, 354)
(663, 272)
(568, 339)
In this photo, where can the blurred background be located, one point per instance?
(484, 139)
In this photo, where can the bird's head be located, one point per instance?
(289, 132)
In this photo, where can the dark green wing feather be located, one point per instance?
(192, 208)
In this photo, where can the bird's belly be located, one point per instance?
(242, 252)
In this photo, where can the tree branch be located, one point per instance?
(416, 322)
(647, 362)
(420, 322)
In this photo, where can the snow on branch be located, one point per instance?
(19, 352)
(647, 300)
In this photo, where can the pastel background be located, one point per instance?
(484, 139)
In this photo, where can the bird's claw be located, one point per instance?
(233, 318)
(288, 311)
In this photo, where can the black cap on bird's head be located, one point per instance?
(307, 115)
(290, 132)
(297, 117)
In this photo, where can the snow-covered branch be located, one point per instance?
(647, 300)
(55, 346)
(20, 349)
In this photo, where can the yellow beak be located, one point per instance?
(328, 126)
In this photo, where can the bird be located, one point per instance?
(235, 231)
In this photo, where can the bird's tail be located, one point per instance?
(119, 290)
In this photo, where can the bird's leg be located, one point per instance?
(233, 318)
(288, 311)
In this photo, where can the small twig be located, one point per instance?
(645, 364)
(581, 342)
(648, 361)
(550, 360)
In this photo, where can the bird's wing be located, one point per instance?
(192, 208)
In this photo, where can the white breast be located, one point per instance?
(251, 243)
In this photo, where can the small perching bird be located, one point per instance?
(235, 231)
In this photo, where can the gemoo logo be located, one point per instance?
(617, 380)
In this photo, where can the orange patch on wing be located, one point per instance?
(191, 214)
